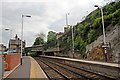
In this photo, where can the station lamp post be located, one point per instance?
(2, 60)
(22, 35)
(7, 29)
(104, 38)
(58, 43)
(72, 33)
(67, 19)
(73, 40)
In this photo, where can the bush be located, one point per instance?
(96, 23)
(33, 54)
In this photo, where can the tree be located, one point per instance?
(51, 40)
(40, 39)
(41, 35)
(91, 36)
(51, 36)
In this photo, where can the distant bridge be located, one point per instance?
(35, 48)
(40, 51)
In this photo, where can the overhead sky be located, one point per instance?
(46, 15)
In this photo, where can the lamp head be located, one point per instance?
(96, 6)
(28, 16)
(67, 13)
(6, 29)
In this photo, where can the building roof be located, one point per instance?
(15, 41)
(38, 45)
(53, 50)
(2, 45)
(34, 46)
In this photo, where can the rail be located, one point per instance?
(102, 68)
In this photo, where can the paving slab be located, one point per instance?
(29, 70)
(23, 71)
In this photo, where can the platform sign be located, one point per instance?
(1, 67)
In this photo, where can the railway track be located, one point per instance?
(86, 71)
(50, 72)
(56, 70)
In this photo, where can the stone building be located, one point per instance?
(59, 35)
(15, 45)
(2, 48)
(67, 28)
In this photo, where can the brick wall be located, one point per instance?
(12, 60)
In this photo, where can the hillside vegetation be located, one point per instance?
(90, 29)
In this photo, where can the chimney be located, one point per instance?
(65, 29)
(16, 37)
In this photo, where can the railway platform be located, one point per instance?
(29, 70)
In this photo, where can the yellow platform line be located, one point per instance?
(32, 71)
(36, 71)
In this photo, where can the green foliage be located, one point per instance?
(27, 50)
(119, 22)
(38, 41)
(51, 36)
(91, 36)
(33, 54)
(51, 40)
(79, 44)
(110, 8)
(112, 18)
(89, 30)
(96, 23)
(69, 42)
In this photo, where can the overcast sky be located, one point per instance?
(46, 15)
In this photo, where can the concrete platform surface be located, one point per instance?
(29, 70)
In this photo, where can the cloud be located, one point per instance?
(46, 15)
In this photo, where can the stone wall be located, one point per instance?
(113, 38)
